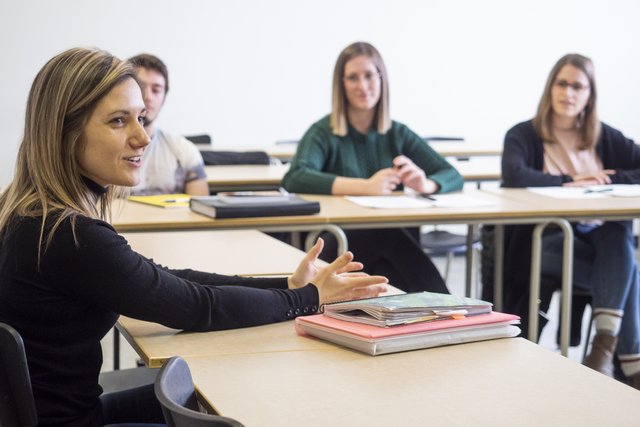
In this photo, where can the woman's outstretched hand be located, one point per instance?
(337, 281)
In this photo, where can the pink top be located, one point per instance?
(565, 158)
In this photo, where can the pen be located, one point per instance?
(179, 200)
(426, 196)
(602, 190)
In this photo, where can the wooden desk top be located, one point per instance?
(499, 382)
(465, 149)
(266, 177)
(156, 343)
(573, 209)
(132, 216)
(344, 213)
(286, 151)
(508, 205)
(479, 168)
(242, 252)
(250, 176)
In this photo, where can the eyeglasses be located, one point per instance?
(563, 84)
(369, 77)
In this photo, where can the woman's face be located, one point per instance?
(361, 83)
(570, 92)
(114, 139)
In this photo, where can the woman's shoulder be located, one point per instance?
(320, 128)
(79, 228)
(525, 127)
(609, 132)
(523, 133)
(402, 130)
(323, 124)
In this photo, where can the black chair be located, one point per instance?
(441, 242)
(17, 407)
(442, 138)
(123, 379)
(203, 139)
(217, 158)
(175, 390)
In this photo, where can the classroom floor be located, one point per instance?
(128, 356)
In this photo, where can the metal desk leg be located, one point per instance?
(116, 349)
(567, 279)
(498, 262)
(295, 240)
(469, 256)
(343, 244)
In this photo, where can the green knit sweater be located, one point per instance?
(322, 156)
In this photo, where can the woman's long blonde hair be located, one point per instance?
(588, 123)
(338, 118)
(47, 179)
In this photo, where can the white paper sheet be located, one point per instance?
(390, 202)
(407, 202)
(590, 192)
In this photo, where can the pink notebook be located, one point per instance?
(375, 340)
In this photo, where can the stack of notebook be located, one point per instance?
(408, 322)
(241, 206)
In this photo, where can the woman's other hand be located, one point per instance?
(602, 177)
(385, 181)
(413, 177)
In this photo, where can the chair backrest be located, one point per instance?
(442, 138)
(175, 390)
(204, 139)
(17, 407)
(217, 158)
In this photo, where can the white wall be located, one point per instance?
(252, 72)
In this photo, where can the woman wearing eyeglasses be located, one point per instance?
(566, 145)
(359, 150)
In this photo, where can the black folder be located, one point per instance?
(217, 207)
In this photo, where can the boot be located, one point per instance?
(634, 381)
(601, 357)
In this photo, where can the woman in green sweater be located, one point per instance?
(359, 150)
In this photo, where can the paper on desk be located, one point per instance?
(616, 190)
(390, 202)
(590, 192)
(404, 202)
(458, 200)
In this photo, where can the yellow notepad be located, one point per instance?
(164, 200)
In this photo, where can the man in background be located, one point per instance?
(171, 164)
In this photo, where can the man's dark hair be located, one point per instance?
(151, 62)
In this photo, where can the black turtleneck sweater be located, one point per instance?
(65, 306)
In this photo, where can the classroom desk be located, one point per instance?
(128, 216)
(155, 343)
(269, 177)
(606, 208)
(245, 177)
(458, 149)
(241, 252)
(464, 149)
(479, 169)
(337, 213)
(500, 382)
